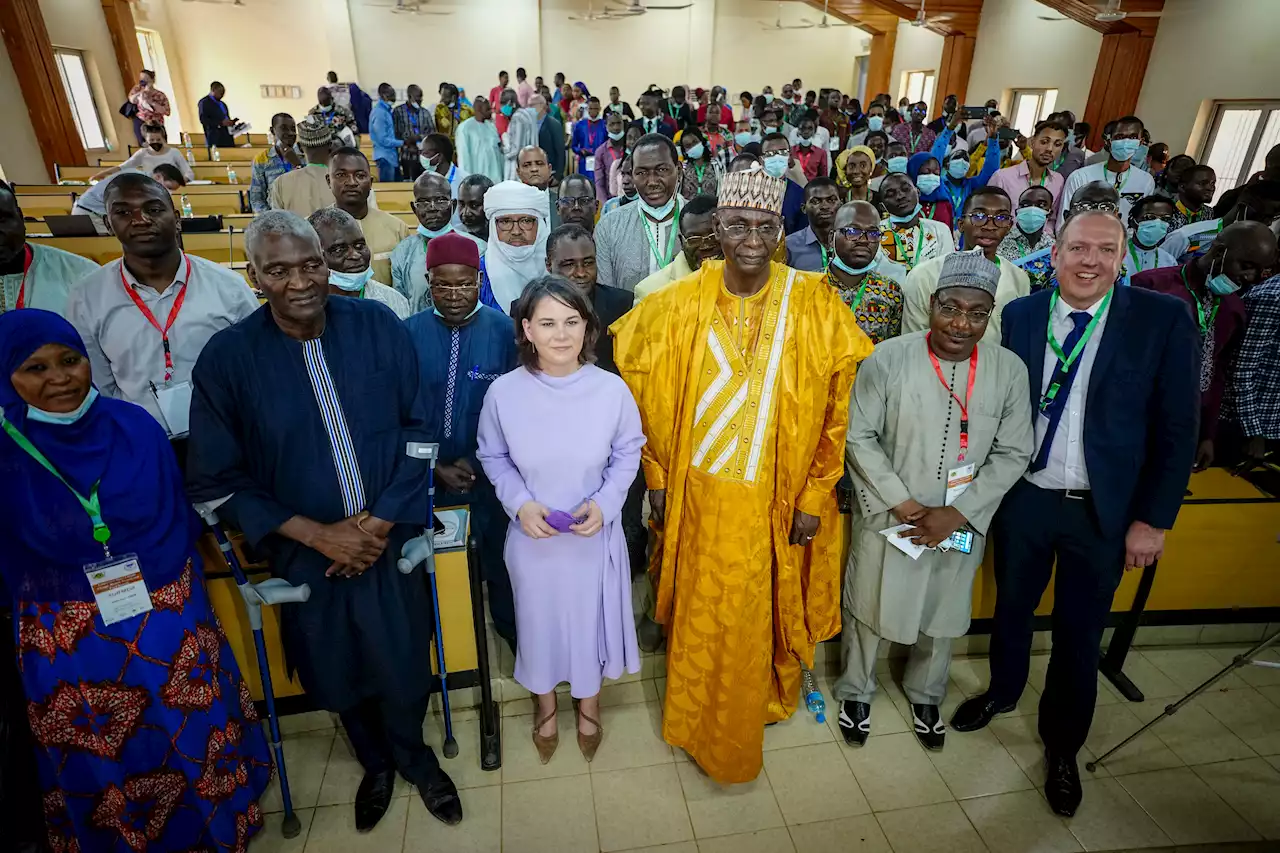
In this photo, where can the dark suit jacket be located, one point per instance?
(1141, 412)
(211, 118)
(610, 304)
(666, 126)
(551, 141)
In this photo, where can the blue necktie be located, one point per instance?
(1064, 377)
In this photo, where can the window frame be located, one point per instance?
(1218, 111)
(82, 57)
(928, 86)
(1042, 111)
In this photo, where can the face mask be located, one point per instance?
(617, 136)
(1124, 149)
(896, 165)
(428, 233)
(1031, 219)
(507, 110)
(768, 97)
(775, 165)
(806, 142)
(903, 220)
(427, 163)
(1151, 231)
(659, 213)
(156, 146)
(63, 418)
(958, 168)
(743, 138)
(1221, 284)
(351, 282)
(875, 122)
(327, 109)
(631, 194)
(875, 262)
(1140, 158)
(695, 151)
(436, 311)
(928, 184)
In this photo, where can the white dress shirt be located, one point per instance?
(126, 352)
(1065, 467)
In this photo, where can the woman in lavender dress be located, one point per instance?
(559, 436)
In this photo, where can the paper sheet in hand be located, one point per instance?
(905, 545)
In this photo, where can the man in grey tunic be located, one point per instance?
(634, 242)
(939, 430)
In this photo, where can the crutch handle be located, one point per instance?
(279, 591)
(417, 550)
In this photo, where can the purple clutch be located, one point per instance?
(561, 520)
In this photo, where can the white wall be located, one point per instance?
(1017, 50)
(20, 159)
(917, 49)
(1201, 54)
(81, 25)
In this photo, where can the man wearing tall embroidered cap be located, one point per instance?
(939, 430)
(742, 372)
(519, 222)
(635, 241)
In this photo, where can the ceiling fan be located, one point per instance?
(824, 24)
(805, 23)
(408, 7)
(923, 20)
(634, 8)
(1111, 12)
(592, 15)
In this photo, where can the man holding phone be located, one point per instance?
(1047, 143)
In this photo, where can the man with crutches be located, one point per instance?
(299, 421)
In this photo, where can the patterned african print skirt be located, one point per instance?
(147, 736)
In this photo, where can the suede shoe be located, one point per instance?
(441, 799)
(975, 713)
(1062, 784)
(374, 798)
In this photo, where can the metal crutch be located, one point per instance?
(421, 549)
(256, 596)
(1169, 710)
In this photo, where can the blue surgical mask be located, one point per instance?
(1221, 284)
(1124, 149)
(1031, 219)
(659, 213)
(928, 184)
(436, 311)
(896, 165)
(507, 110)
(903, 220)
(63, 418)
(617, 136)
(428, 165)
(695, 151)
(958, 168)
(351, 282)
(742, 138)
(875, 262)
(1140, 158)
(875, 122)
(768, 97)
(1151, 232)
(428, 233)
(775, 165)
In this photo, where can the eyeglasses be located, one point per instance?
(953, 313)
(455, 288)
(583, 202)
(768, 232)
(700, 243)
(1104, 206)
(981, 218)
(870, 235)
(432, 203)
(507, 224)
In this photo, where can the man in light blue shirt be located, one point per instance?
(382, 130)
(434, 206)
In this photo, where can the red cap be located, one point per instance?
(453, 248)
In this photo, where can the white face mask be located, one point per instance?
(351, 282)
(63, 418)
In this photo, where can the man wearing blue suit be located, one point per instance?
(1115, 395)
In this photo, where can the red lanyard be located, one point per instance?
(28, 257)
(964, 404)
(151, 318)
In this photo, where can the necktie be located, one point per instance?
(1054, 410)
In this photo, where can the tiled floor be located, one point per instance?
(1208, 776)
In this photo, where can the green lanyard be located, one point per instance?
(862, 288)
(662, 260)
(1206, 323)
(1137, 261)
(1122, 178)
(101, 533)
(902, 247)
(1065, 360)
(825, 260)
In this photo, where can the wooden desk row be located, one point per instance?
(39, 201)
(201, 154)
(218, 173)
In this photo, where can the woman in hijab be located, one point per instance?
(146, 734)
(519, 222)
(926, 173)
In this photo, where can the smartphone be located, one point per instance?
(1007, 134)
(974, 112)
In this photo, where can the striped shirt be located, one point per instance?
(335, 424)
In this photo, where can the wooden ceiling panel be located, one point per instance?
(1085, 12)
(946, 17)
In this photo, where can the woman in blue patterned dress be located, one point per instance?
(146, 735)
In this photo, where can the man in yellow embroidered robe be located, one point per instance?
(742, 371)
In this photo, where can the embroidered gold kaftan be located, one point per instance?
(745, 407)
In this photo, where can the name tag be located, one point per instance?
(175, 407)
(834, 144)
(958, 481)
(591, 163)
(118, 588)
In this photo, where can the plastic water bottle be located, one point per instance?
(231, 176)
(186, 143)
(813, 696)
(217, 154)
(191, 157)
(186, 207)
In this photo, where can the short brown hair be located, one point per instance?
(563, 291)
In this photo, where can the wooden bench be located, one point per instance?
(218, 200)
(223, 247)
(40, 205)
(202, 154)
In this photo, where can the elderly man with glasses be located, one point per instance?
(434, 206)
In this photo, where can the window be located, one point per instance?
(1240, 135)
(1031, 106)
(75, 79)
(917, 86)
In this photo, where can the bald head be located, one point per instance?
(533, 168)
(539, 103)
(432, 201)
(857, 211)
(1244, 252)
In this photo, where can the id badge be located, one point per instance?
(958, 480)
(591, 162)
(175, 406)
(834, 144)
(118, 588)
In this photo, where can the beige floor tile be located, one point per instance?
(1250, 787)
(1193, 733)
(1151, 636)
(1148, 678)
(641, 806)
(975, 764)
(632, 738)
(717, 809)
(894, 773)
(764, 841)
(1254, 676)
(333, 830)
(1249, 715)
(1189, 668)
(813, 783)
(847, 835)
(1273, 760)
(520, 759)
(1185, 807)
(800, 730)
(311, 721)
(1241, 632)
(549, 816)
(464, 769)
(1021, 739)
(269, 839)
(342, 778)
(305, 758)
(682, 847)
(479, 832)
(1109, 819)
(1271, 694)
(660, 688)
(886, 719)
(941, 827)
(973, 675)
(1114, 723)
(627, 693)
(1019, 823)
(653, 666)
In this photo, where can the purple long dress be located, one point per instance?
(561, 441)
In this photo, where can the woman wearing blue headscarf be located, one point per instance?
(926, 172)
(146, 734)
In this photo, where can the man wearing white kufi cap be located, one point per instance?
(519, 221)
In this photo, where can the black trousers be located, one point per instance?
(633, 528)
(1033, 529)
(489, 525)
(388, 736)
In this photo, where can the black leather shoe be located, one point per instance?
(649, 635)
(975, 713)
(441, 799)
(374, 798)
(928, 726)
(1062, 784)
(855, 722)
